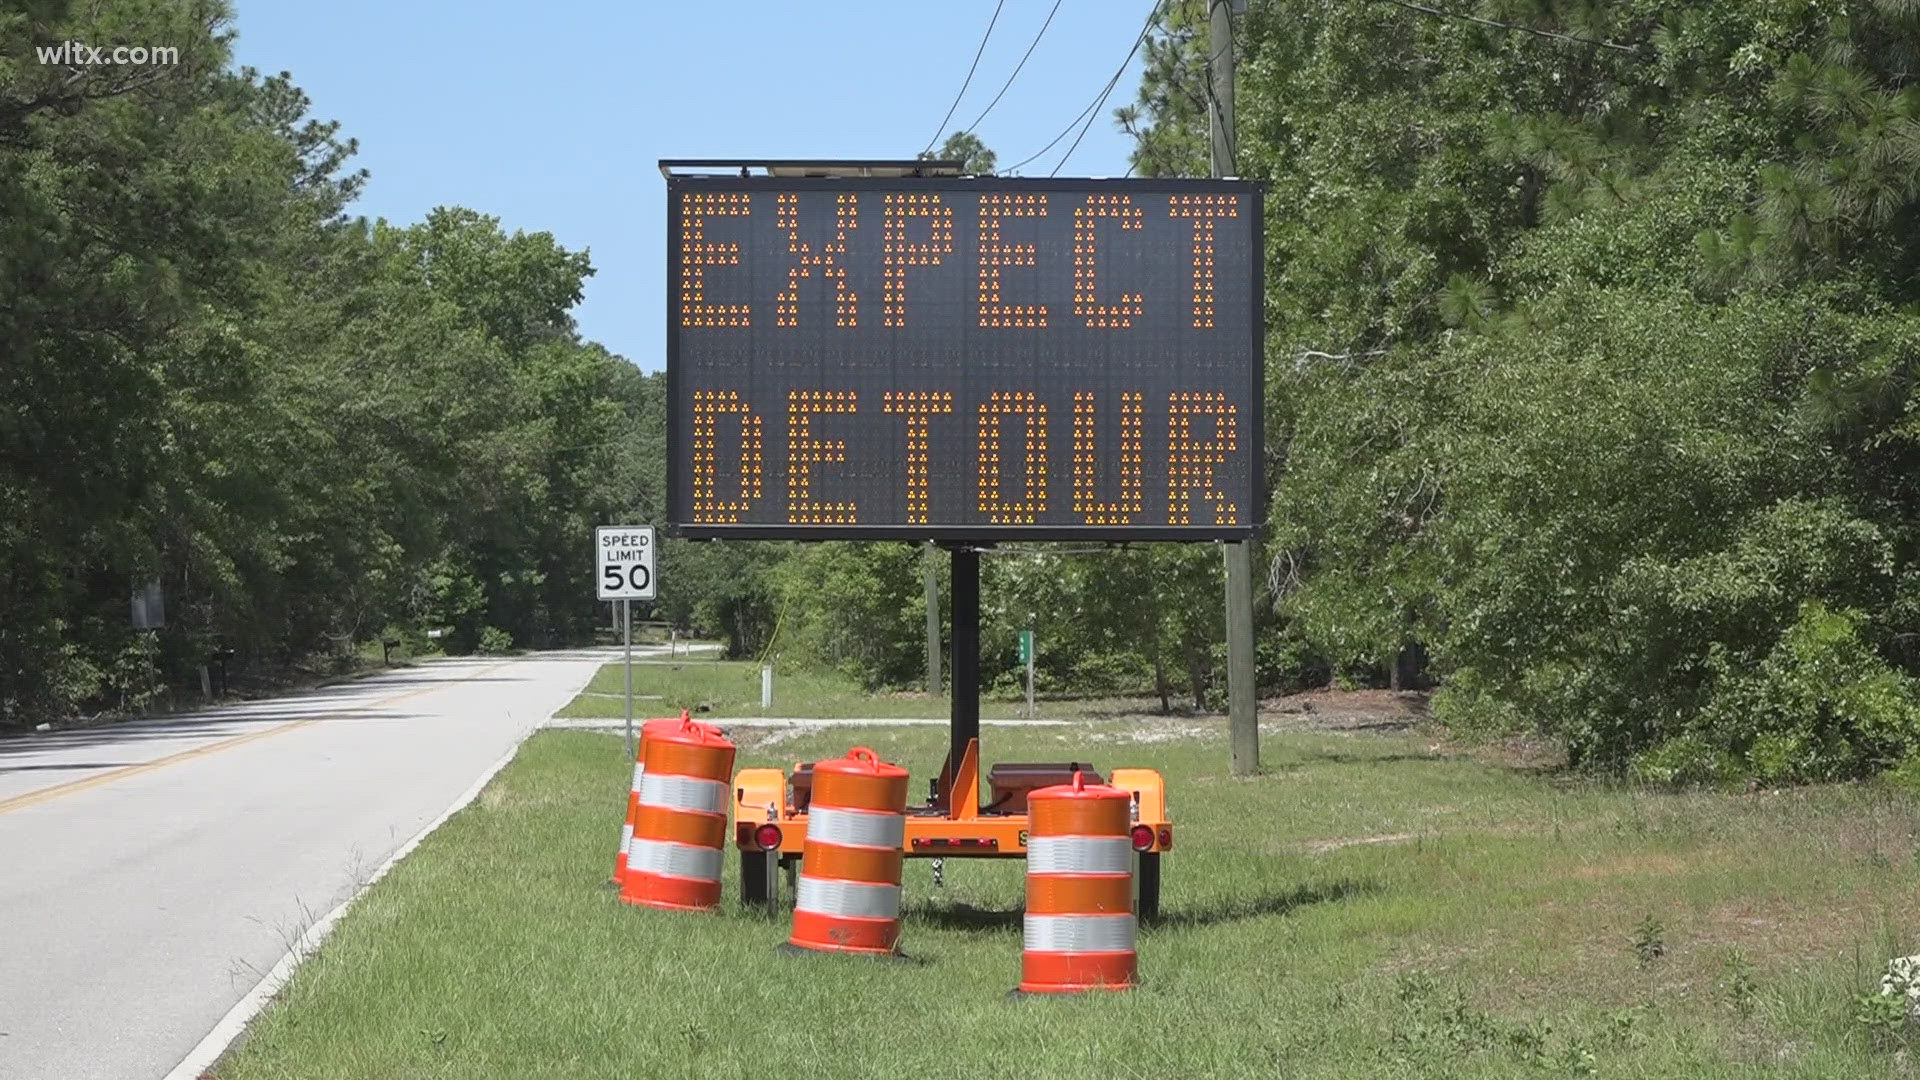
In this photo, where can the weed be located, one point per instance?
(1884, 1016)
(1415, 987)
(696, 1038)
(1625, 1027)
(1742, 992)
(1528, 1042)
(1443, 1028)
(1649, 941)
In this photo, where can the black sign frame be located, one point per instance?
(1255, 423)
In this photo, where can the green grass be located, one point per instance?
(732, 688)
(1370, 906)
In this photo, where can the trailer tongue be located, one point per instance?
(770, 806)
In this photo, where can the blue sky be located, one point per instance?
(552, 117)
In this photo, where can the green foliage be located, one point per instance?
(1649, 941)
(965, 147)
(1169, 119)
(1821, 705)
(1741, 989)
(725, 590)
(1438, 1030)
(1883, 1016)
(309, 428)
(1591, 370)
(1686, 759)
(856, 608)
(495, 641)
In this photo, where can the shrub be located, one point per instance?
(1688, 759)
(1822, 705)
(495, 641)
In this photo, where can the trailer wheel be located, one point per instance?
(756, 879)
(1147, 875)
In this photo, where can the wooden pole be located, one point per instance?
(1243, 717)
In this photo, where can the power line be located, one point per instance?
(1098, 101)
(1094, 110)
(1050, 144)
(1091, 116)
(1016, 68)
(968, 81)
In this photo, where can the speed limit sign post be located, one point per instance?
(624, 571)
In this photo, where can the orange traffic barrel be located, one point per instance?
(679, 817)
(633, 807)
(848, 895)
(1079, 923)
(633, 795)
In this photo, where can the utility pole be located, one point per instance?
(1242, 704)
(930, 581)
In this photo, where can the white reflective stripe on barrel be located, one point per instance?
(849, 899)
(856, 828)
(683, 793)
(1079, 933)
(626, 839)
(1079, 855)
(674, 860)
(639, 771)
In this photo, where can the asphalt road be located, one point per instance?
(151, 873)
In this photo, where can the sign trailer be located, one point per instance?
(890, 350)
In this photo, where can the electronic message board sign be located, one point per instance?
(964, 358)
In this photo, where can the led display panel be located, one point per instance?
(964, 358)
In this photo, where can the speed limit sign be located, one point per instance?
(623, 563)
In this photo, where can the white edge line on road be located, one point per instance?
(210, 1048)
(595, 724)
(216, 1042)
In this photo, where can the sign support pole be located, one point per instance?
(1243, 718)
(931, 587)
(624, 571)
(626, 635)
(965, 705)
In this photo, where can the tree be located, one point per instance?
(312, 430)
(965, 147)
(1588, 348)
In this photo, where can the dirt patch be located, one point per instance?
(1380, 712)
(1528, 753)
(761, 738)
(1401, 712)
(1786, 932)
(1155, 729)
(1321, 847)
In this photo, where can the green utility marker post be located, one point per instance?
(1026, 657)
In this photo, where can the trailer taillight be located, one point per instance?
(1142, 837)
(767, 837)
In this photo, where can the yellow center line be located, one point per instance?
(47, 794)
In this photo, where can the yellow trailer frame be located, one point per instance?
(954, 823)
(948, 828)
